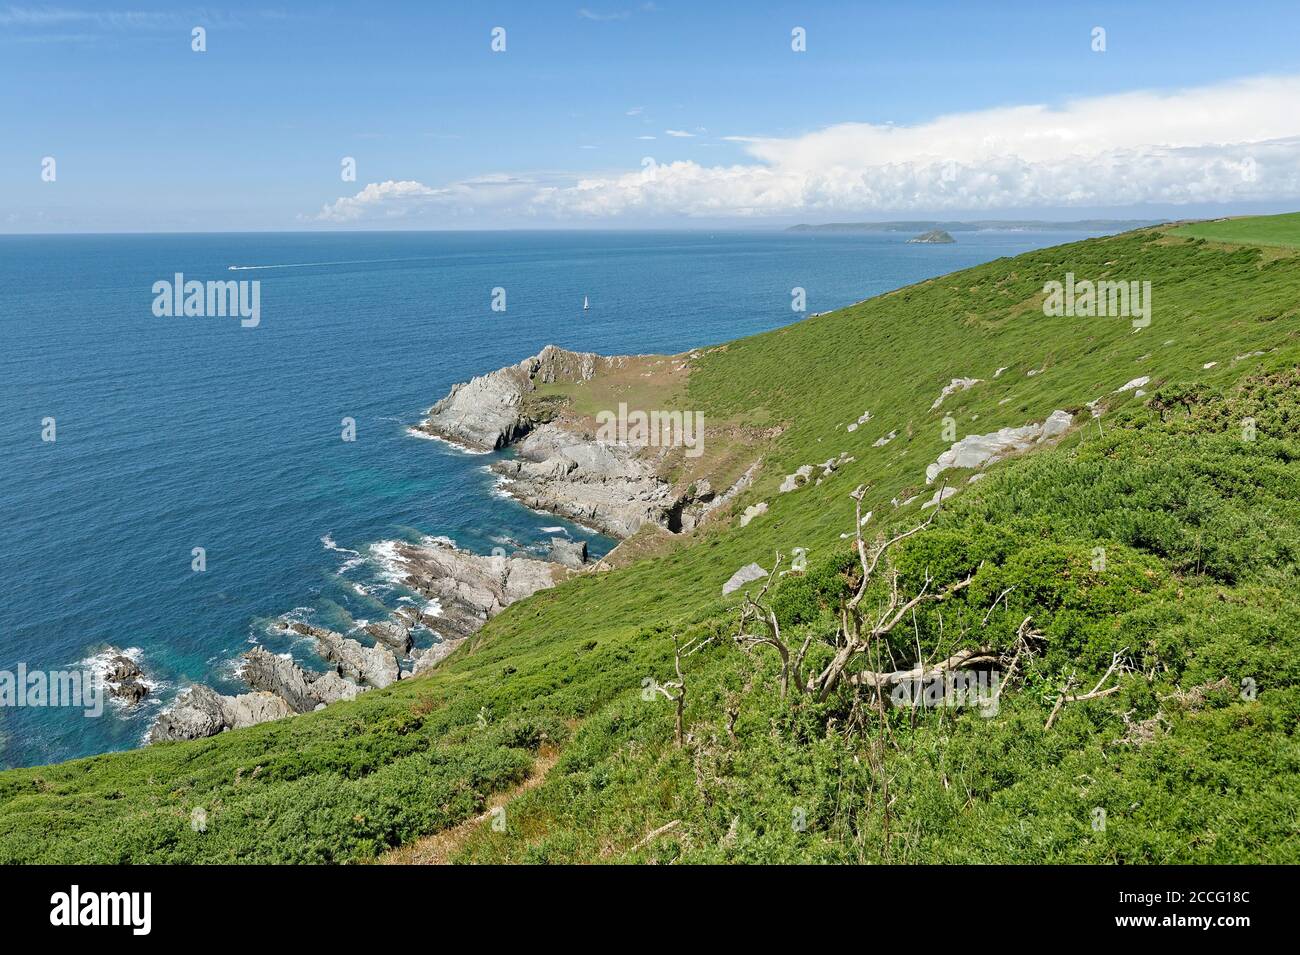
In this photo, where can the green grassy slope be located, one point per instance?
(1201, 531)
(1282, 231)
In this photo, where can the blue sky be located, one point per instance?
(150, 135)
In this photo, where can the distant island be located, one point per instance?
(982, 225)
(933, 237)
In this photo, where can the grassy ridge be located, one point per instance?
(1280, 231)
(1201, 534)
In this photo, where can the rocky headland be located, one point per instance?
(555, 463)
(559, 464)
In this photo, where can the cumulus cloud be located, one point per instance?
(1232, 142)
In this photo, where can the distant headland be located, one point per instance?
(981, 225)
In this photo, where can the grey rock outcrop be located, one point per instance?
(301, 689)
(611, 487)
(374, 666)
(746, 574)
(395, 635)
(796, 480)
(470, 588)
(568, 552)
(201, 711)
(124, 680)
(978, 450)
(486, 413)
(954, 386)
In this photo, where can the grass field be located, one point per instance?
(1275, 231)
(1190, 489)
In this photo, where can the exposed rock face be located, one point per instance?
(301, 689)
(394, 635)
(746, 574)
(978, 450)
(470, 588)
(570, 553)
(753, 511)
(607, 486)
(374, 666)
(201, 711)
(486, 413)
(613, 487)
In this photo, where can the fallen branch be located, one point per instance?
(651, 837)
(959, 659)
(1094, 694)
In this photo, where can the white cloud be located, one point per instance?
(586, 14)
(679, 133)
(1232, 142)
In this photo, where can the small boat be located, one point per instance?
(586, 306)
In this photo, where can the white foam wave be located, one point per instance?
(416, 433)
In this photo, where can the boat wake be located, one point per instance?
(312, 265)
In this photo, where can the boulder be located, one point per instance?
(396, 636)
(568, 552)
(124, 680)
(746, 574)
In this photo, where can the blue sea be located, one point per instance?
(173, 433)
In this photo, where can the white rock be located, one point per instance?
(796, 480)
(940, 495)
(746, 574)
(978, 450)
(753, 511)
(957, 384)
(1135, 383)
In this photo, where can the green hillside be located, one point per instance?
(1272, 231)
(1191, 491)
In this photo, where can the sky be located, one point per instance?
(631, 114)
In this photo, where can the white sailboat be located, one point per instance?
(586, 306)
